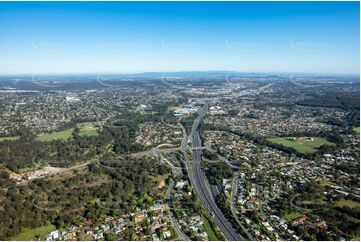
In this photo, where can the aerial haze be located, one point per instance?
(179, 121)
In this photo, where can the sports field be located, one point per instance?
(60, 135)
(28, 234)
(10, 138)
(88, 129)
(305, 145)
(347, 203)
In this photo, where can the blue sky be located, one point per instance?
(116, 37)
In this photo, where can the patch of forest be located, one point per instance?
(93, 193)
(349, 103)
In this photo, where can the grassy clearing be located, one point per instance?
(10, 138)
(158, 179)
(28, 234)
(62, 135)
(211, 235)
(88, 129)
(303, 144)
(357, 130)
(291, 216)
(347, 203)
(147, 153)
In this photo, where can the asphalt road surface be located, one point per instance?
(174, 221)
(201, 185)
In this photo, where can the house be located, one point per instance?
(70, 236)
(114, 223)
(194, 228)
(89, 222)
(203, 235)
(116, 230)
(121, 221)
(99, 236)
(139, 217)
(105, 227)
(299, 220)
(155, 237)
(156, 206)
(167, 234)
(319, 224)
(54, 235)
(180, 184)
(267, 226)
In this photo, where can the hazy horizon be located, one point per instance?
(184, 72)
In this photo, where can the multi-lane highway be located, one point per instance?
(200, 183)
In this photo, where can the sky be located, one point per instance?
(128, 37)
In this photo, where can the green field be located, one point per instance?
(9, 138)
(301, 144)
(211, 235)
(62, 135)
(291, 216)
(347, 203)
(27, 234)
(357, 130)
(88, 129)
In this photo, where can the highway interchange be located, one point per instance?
(199, 181)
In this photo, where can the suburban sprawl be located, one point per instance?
(180, 156)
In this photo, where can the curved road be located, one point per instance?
(173, 220)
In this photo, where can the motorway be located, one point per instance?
(200, 183)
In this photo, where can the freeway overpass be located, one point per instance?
(200, 183)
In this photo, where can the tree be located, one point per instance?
(109, 237)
